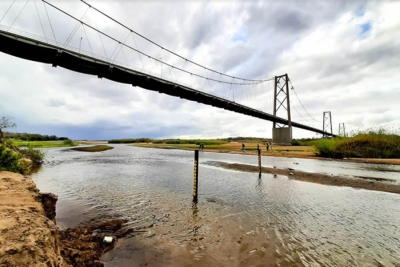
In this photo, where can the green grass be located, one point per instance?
(43, 144)
(97, 148)
(370, 144)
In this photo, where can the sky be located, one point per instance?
(340, 56)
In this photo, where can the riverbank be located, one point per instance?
(29, 234)
(306, 152)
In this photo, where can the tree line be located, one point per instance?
(33, 137)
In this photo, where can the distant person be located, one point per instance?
(243, 146)
(267, 145)
(201, 146)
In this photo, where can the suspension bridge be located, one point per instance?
(125, 56)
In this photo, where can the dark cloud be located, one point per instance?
(56, 102)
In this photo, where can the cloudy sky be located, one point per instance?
(341, 56)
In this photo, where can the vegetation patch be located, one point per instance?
(43, 144)
(371, 144)
(33, 137)
(97, 148)
(19, 160)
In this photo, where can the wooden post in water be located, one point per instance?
(195, 175)
(259, 162)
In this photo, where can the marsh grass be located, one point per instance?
(43, 144)
(369, 144)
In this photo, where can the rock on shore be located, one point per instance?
(28, 233)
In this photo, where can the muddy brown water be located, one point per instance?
(240, 220)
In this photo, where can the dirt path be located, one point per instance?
(357, 182)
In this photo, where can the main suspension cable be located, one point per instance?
(162, 62)
(126, 27)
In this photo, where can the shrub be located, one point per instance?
(69, 142)
(35, 155)
(370, 144)
(295, 142)
(326, 148)
(11, 160)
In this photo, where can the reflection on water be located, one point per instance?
(240, 219)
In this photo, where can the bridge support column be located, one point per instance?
(327, 124)
(282, 134)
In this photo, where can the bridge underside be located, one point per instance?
(38, 51)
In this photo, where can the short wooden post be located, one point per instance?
(259, 162)
(195, 175)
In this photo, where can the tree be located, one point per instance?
(4, 124)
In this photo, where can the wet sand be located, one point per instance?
(367, 183)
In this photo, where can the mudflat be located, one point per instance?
(355, 182)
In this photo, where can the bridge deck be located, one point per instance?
(35, 50)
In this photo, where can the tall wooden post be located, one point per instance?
(195, 175)
(259, 162)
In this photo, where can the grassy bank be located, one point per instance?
(97, 148)
(64, 143)
(371, 144)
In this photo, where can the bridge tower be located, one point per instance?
(327, 123)
(342, 130)
(281, 133)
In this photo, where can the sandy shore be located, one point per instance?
(30, 237)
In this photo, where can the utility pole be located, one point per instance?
(327, 123)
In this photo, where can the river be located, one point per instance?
(240, 220)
